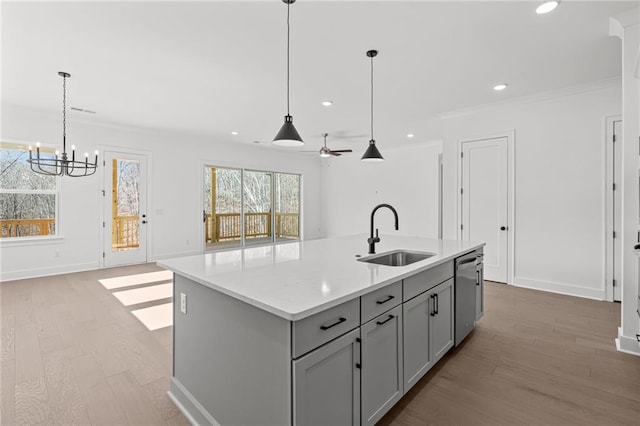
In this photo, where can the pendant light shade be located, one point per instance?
(372, 153)
(288, 135)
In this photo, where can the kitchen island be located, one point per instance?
(303, 333)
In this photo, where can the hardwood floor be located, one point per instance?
(72, 353)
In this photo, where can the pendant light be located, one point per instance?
(372, 154)
(288, 135)
(61, 164)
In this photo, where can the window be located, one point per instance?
(28, 201)
(239, 207)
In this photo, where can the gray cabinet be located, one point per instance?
(382, 380)
(480, 291)
(326, 384)
(428, 330)
(441, 331)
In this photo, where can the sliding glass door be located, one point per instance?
(249, 207)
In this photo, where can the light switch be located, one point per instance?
(183, 303)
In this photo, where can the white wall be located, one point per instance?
(175, 200)
(407, 179)
(559, 184)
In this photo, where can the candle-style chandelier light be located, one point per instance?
(60, 164)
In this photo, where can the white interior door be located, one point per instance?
(484, 207)
(617, 211)
(125, 209)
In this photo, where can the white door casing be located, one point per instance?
(484, 192)
(135, 250)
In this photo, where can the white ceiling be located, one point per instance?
(209, 68)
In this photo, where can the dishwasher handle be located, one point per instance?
(465, 261)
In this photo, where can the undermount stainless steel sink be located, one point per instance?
(397, 257)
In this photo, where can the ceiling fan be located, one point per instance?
(326, 152)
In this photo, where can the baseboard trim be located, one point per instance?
(628, 345)
(188, 405)
(560, 288)
(43, 272)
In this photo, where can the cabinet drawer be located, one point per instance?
(380, 301)
(318, 329)
(423, 281)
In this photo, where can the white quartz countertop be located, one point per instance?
(296, 280)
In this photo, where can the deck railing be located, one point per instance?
(12, 228)
(226, 226)
(125, 232)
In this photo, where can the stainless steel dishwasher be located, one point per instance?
(466, 278)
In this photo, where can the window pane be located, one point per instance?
(257, 207)
(27, 215)
(125, 230)
(15, 172)
(287, 206)
(222, 205)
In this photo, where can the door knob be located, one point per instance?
(503, 228)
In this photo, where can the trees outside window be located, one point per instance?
(28, 200)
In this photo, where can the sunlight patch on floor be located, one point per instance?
(137, 279)
(144, 294)
(155, 317)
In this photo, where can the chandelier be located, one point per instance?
(60, 164)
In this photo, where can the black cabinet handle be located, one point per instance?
(433, 312)
(381, 301)
(437, 303)
(503, 228)
(326, 327)
(389, 318)
(636, 247)
(478, 277)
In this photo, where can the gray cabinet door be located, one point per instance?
(416, 350)
(326, 384)
(480, 294)
(441, 328)
(382, 380)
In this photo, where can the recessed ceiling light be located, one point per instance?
(235, 133)
(410, 135)
(500, 87)
(327, 103)
(547, 7)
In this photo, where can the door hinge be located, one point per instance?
(103, 224)
(462, 155)
(461, 190)
(614, 186)
(358, 365)
(461, 227)
(358, 340)
(614, 234)
(614, 137)
(104, 193)
(614, 283)
(104, 163)
(103, 255)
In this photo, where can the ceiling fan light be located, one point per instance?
(372, 154)
(288, 135)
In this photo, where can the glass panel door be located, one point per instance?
(222, 207)
(258, 221)
(125, 209)
(287, 191)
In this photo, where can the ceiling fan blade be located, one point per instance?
(335, 154)
(341, 150)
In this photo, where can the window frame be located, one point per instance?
(13, 145)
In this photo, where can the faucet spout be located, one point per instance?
(373, 240)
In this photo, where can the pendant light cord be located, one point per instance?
(288, 32)
(64, 114)
(372, 98)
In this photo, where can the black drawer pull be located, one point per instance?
(389, 318)
(381, 301)
(433, 312)
(437, 304)
(326, 327)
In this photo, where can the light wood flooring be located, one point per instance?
(71, 353)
